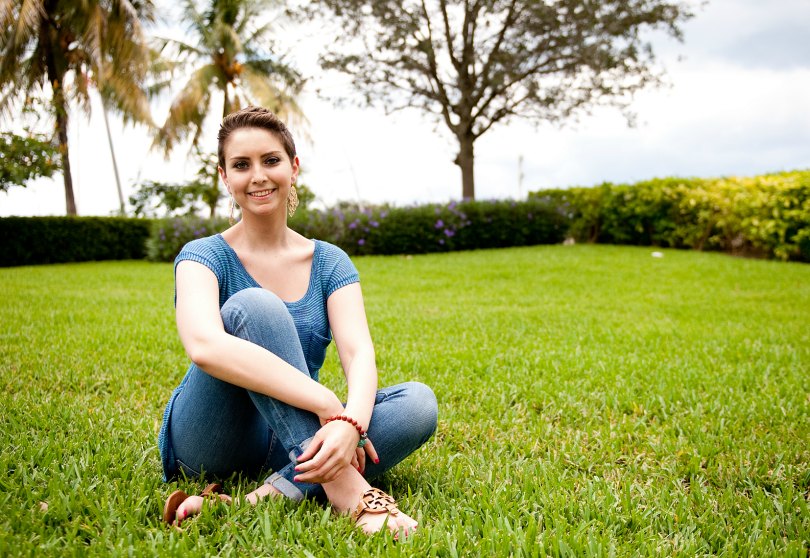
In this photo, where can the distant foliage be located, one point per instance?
(394, 230)
(168, 236)
(44, 240)
(763, 216)
(26, 158)
(420, 229)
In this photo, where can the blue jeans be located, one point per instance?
(220, 428)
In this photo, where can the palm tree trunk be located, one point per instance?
(226, 110)
(60, 109)
(61, 129)
(121, 209)
(59, 103)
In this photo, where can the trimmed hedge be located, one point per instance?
(44, 240)
(435, 228)
(762, 216)
(395, 230)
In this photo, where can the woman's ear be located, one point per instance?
(295, 168)
(224, 178)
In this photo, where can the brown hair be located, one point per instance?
(254, 117)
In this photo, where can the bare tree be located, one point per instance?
(474, 63)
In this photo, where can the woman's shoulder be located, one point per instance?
(208, 248)
(329, 249)
(330, 255)
(335, 267)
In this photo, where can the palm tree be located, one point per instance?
(228, 53)
(64, 47)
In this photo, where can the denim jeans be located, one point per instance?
(219, 428)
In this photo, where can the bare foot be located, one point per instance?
(261, 493)
(376, 510)
(400, 524)
(193, 505)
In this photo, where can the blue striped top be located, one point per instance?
(331, 270)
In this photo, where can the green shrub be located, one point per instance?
(435, 227)
(766, 216)
(43, 240)
(168, 236)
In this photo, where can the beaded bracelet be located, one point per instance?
(363, 434)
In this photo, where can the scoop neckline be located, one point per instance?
(310, 285)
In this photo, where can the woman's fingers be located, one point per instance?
(360, 459)
(312, 449)
(324, 472)
(372, 453)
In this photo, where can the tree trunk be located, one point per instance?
(61, 129)
(122, 209)
(56, 77)
(466, 161)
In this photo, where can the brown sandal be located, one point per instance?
(374, 501)
(172, 503)
(177, 497)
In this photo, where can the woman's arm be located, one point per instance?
(334, 446)
(236, 360)
(347, 319)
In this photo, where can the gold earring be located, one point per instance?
(292, 200)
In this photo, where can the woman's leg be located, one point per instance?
(222, 428)
(404, 418)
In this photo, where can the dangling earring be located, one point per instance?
(292, 200)
(232, 205)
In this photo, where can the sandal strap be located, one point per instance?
(374, 500)
(211, 489)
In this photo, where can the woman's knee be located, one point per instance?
(423, 409)
(254, 304)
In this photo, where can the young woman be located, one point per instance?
(256, 308)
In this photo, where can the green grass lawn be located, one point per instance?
(592, 400)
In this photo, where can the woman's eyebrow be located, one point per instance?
(237, 157)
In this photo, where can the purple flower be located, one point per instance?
(353, 224)
(452, 205)
(383, 214)
(361, 241)
(374, 224)
(441, 241)
(439, 224)
(449, 233)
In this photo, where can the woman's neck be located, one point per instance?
(262, 233)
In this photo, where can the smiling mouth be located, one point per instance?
(262, 193)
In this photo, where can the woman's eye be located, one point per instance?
(271, 160)
(240, 165)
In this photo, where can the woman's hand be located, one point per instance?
(331, 450)
(359, 461)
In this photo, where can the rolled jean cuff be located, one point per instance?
(283, 480)
(284, 486)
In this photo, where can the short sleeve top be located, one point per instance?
(331, 270)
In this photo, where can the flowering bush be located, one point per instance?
(434, 227)
(169, 235)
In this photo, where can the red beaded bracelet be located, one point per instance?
(351, 421)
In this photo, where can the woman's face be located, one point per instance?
(258, 172)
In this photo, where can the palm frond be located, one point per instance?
(280, 100)
(189, 109)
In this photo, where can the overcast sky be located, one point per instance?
(737, 104)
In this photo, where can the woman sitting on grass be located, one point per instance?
(255, 307)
